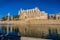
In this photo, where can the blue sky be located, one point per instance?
(13, 6)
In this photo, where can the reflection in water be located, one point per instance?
(41, 31)
(12, 35)
(49, 31)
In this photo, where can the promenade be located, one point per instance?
(29, 38)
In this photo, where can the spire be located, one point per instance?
(19, 11)
(36, 7)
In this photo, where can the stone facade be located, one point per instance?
(55, 16)
(32, 13)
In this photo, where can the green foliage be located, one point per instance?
(17, 16)
(4, 18)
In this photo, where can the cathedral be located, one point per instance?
(34, 13)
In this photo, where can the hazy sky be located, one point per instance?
(13, 6)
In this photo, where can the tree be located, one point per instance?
(16, 17)
(4, 18)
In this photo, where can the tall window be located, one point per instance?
(58, 17)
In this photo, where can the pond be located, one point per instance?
(44, 31)
(7, 34)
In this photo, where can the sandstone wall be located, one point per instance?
(32, 21)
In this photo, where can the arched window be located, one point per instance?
(25, 17)
(54, 17)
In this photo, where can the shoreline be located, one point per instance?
(32, 22)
